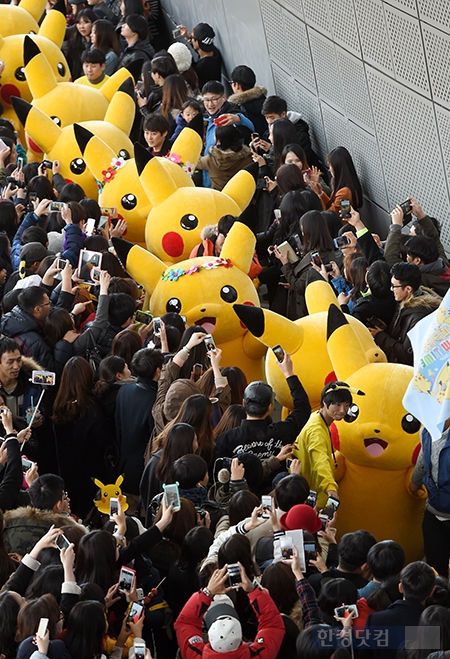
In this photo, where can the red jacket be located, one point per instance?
(266, 645)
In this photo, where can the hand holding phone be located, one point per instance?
(172, 496)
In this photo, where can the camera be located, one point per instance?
(15, 182)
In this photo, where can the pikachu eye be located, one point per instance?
(77, 166)
(20, 74)
(61, 69)
(129, 202)
(410, 424)
(228, 294)
(173, 304)
(189, 222)
(56, 120)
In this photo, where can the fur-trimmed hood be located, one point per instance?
(229, 158)
(249, 95)
(30, 364)
(209, 232)
(424, 297)
(28, 513)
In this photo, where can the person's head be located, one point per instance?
(308, 647)
(174, 94)
(156, 128)
(94, 63)
(8, 218)
(203, 37)
(180, 440)
(88, 568)
(281, 132)
(385, 559)
(237, 382)
(353, 549)
(35, 234)
(421, 250)
(242, 78)
(417, 581)
(56, 324)
(126, 344)
(228, 138)
(47, 492)
(128, 7)
(334, 593)
(333, 222)
(111, 264)
(237, 549)
(175, 320)
(190, 109)
(356, 275)
(195, 547)
(121, 309)
(48, 579)
(123, 285)
(35, 302)
(344, 175)
(291, 491)
(290, 178)
(279, 580)
(316, 235)
(31, 613)
(378, 279)
(10, 360)
(113, 369)
(86, 628)
(241, 506)
(433, 616)
(159, 69)
(85, 19)
(98, 244)
(258, 399)
(196, 411)
(104, 36)
(213, 94)
(231, 418)
(189, 471)
(10, 603)
(335, 400)
(273, 108)
(294, 154)
(32, 254)
(75, 392)
(147, 363)
(405, 280)
(182, 522)
(71, 192)
(293, 206)
(301, 516)
(134, 28)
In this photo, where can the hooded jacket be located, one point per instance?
(188, 628)
(394, 341)
(30, 338)
(142, 49)
(252, 101)
(223, 165)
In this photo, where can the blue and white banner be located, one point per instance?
(428, 394)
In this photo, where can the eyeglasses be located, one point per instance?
(396, 286)
(214, 99)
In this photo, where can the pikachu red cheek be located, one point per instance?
(172, 244)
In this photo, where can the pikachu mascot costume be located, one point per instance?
(49, 38)
(204, 289)
(21, 19)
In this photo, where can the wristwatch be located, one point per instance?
(207, 592)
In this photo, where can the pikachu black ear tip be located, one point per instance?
(123, 248)
(335, 320)
(251, 317)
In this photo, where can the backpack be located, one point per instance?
(438, 493)
(96, 351)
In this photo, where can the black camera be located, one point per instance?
(15, 182)
(201, 512)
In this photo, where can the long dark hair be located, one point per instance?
(290, 177)
(197, 354)
(88, 567)
(316, 235)
(174, 94)
(293, 205)
(196, 411)
(194, 547)
(283, 132)
(279, 580)
(237, 381)
(432, 616)
(344, 176)
(8, 218)
(75, 391)
(357, 276)
(231, 418)
(108, 369)
(106, 36)
(238, 549)
(179, 441)
(299, 152)
(57, 323)
(9, 610)
(86, 628)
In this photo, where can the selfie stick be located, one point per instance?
(36, 409)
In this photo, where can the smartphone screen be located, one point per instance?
(345, 208)
(209, 343)
(279, 353)
(113, 507)
(172, 496)
(331, 506)
(287, 548)
(310, 552)
(266, 506)
(135, 612)
(157, 326)
(234, 575)
(26, 464)
(312, 498)
(139, 649)
(126, 577)
(42, 629)
(62, 542)
(315, 258)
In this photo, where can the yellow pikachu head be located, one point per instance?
(106, 493)
(178, 215)
(21, 19)
(204, 289)
(383, 435)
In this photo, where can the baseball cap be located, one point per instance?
(259, 393)
(204, 34)
(224, 628)
(303, 517)
(32, 252)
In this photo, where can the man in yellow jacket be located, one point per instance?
(313, 447)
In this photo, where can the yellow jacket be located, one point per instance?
(313, 448)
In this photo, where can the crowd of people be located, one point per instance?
(150, 502)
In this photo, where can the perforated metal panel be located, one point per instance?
(437, 46)
(316, 15)
(366, 156)
(284, 85)
(274, 28)
(354, 89)
(436, 12)
(300, 52)
(309, 107)
(336, 127)
(443, 122)
(406, 5)
(326, 69)
(343, 25)
(373, 34)
(295, 6)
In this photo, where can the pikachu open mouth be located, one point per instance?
(375, 446)
(208, 323)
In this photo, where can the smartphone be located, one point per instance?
(266, 502)
(139, 648)
(310, 552)
(324, 519)
(113, 507)
(287, 548)
(289, 461)
(256, 136)
(20, 163)
(126, 576)
(210, 344)
(32, 196)
(90, 226)
(234, 575)
(312, 499)
(176, 33)
(103, 221)
(406, 207)
(328, 267)
(277, 214)
(61, 541)
(345, 208)
(43, 377)
(278, 352)
(3, 145)
(375, 323)
(197, 371)
(56, 206)
(307, 172)
(95, 274)
(157, 326)
(345, 610)
(143, 317)
(26, 464)
(261, 184)
(219, 121)
(315, 258)
(140, 594)
(61, 264)
(109, 211)
(134, 612)
(331, 506)
(341, 241)
(172, 496)
(42, 629)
